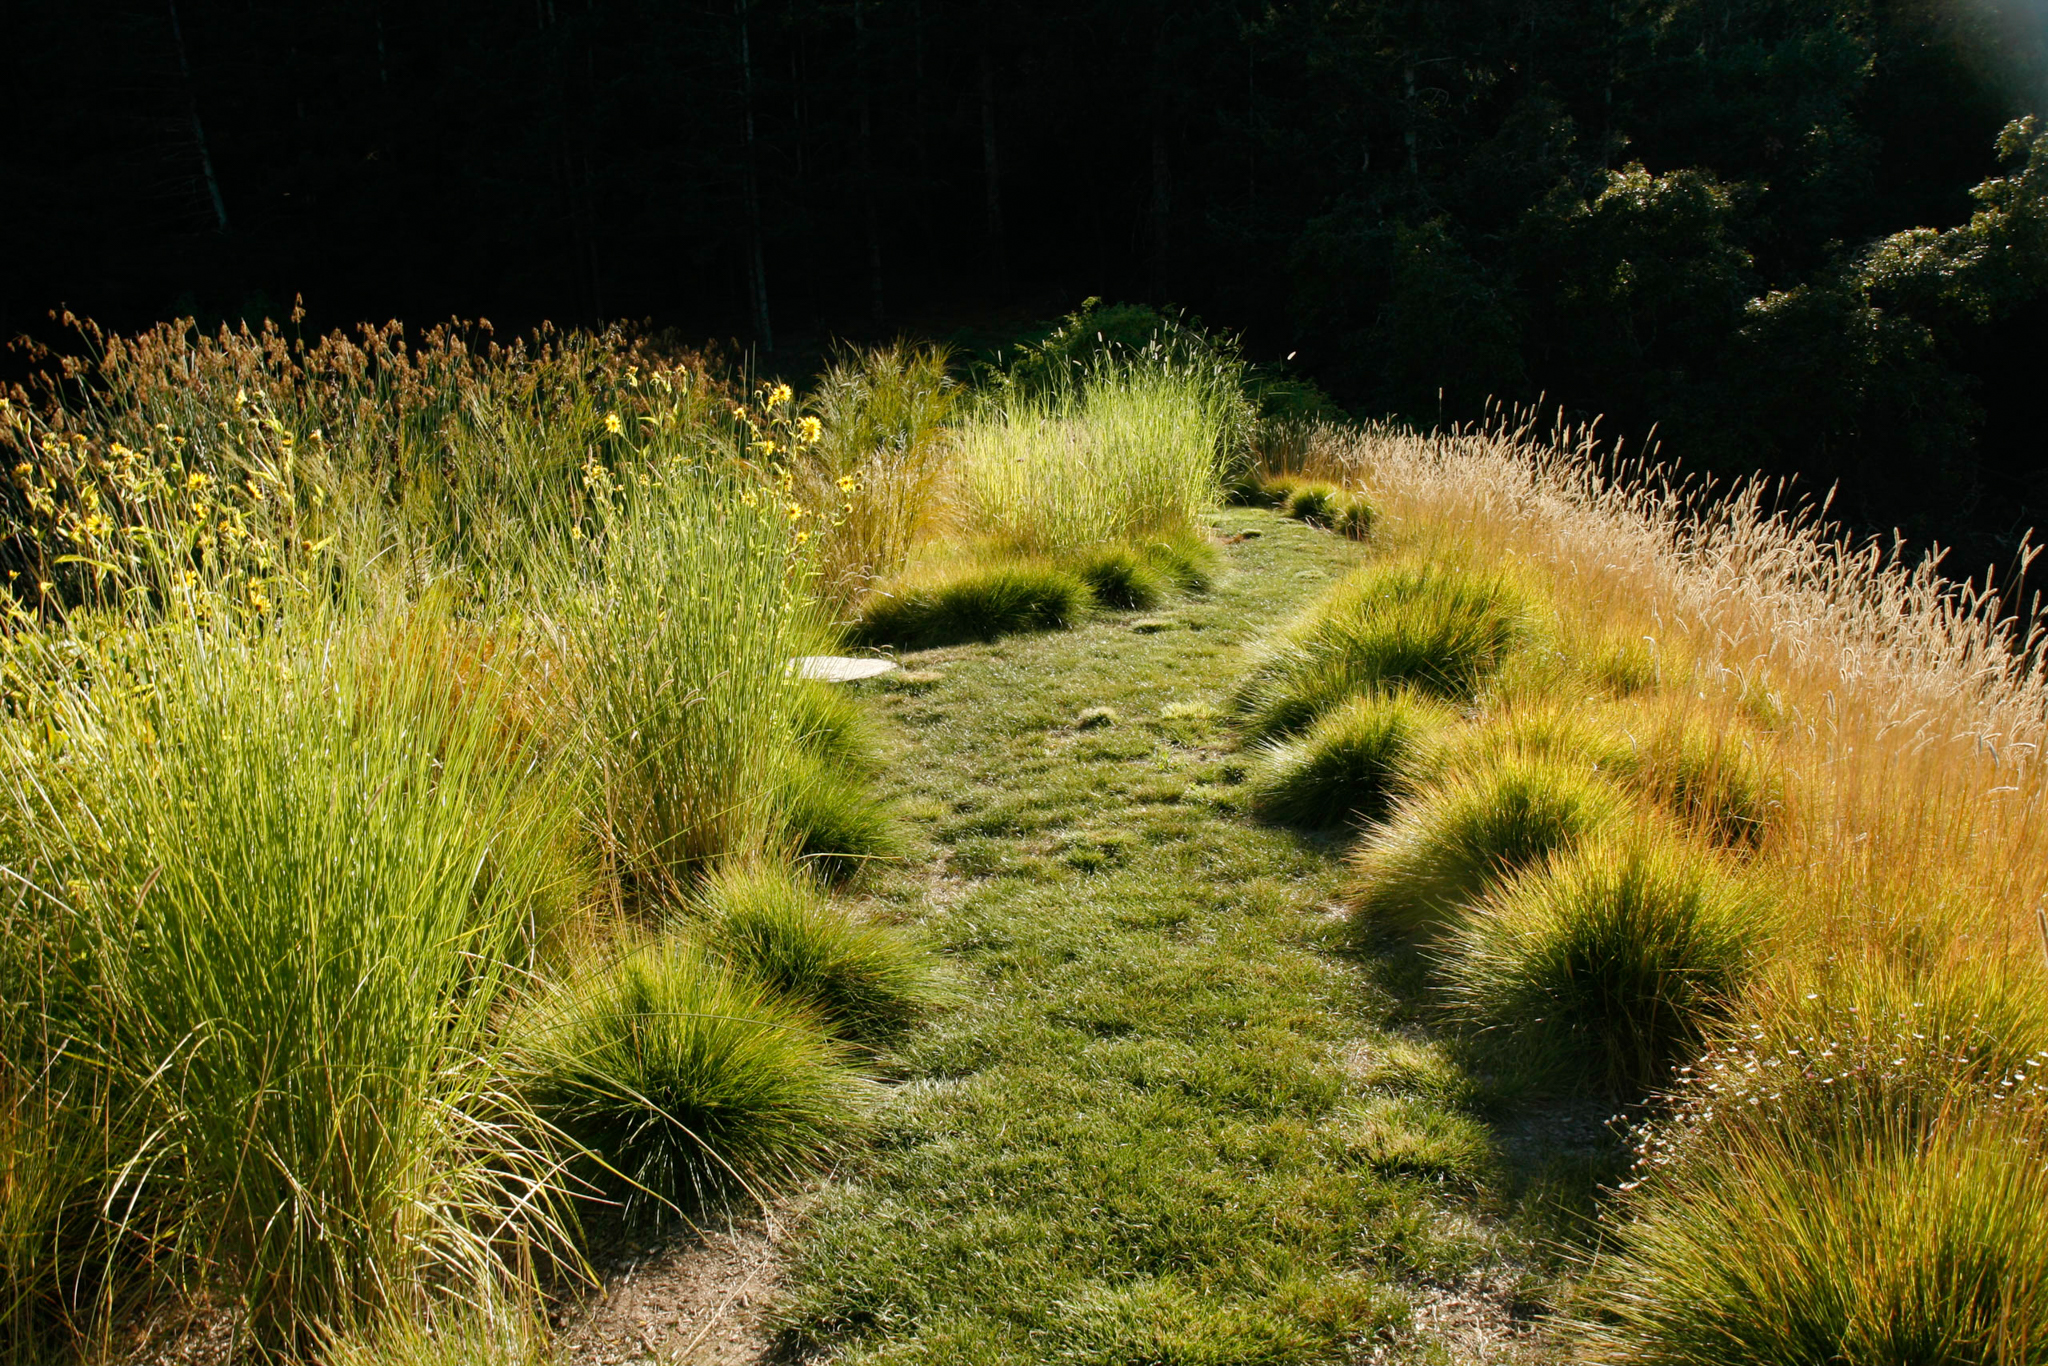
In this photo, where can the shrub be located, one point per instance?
(1118, 576)
(831, 820)
(865, 981)
(1352, 764)
(1890, 1248)
(978, 604)
(1613, 957)
(1451, 844)
(1356, 517)
(684, 1079)
(1438, 630)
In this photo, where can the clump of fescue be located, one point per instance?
(1317, 504)
(978, 604)
(1356, 517)
(1188, 559)
(830, 722)
(1118, 575)
(1891, 1247)
(685, 1080)
(831, 820)
(1625, 668)
(1719, 778)
(1611, 959)
(1352, 764)
(867, 982)
(1440, 631)
(1451, 844)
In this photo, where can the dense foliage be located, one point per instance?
(1673, 213)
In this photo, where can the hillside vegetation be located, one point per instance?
(425, 860)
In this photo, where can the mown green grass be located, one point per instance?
(1144, 1134)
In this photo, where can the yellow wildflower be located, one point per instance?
(748, 497)
(795, 511)
(196, 481)
(847, 483)
(809, 430)
(779, 395)
(612, 424)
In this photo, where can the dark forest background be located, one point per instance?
(1693, 216)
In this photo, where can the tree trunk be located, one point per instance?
(220, 207)
(867, 167)
(998, 254)
(757, 263)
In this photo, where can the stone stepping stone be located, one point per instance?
(838, 668)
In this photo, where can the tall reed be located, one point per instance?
(1129, 452)
(293, 871)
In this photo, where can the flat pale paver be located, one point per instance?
(839, 668)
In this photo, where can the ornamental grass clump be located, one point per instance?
(1611, 959)
(867, 982)
(1317, 504)
(1127, 450)
(1452, 843)
(1353, 764)
(679, 619)
(292, 881)
(1720, 779)
(974, 604)
(1914, 1246)
(1119, 576)
(684, 1081)
(1441, 631)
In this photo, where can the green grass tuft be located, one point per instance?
(1438, 630)
(977, 605)
(1189, 560)
(866, 981)
(1926, 1249)
(1720, 780)
(1456, 840)
(1317, 504)
(1118, 576)
(1356, 517)
(830, 722)
(685, 1079)
(1613, 959)
(832, 820)
(1352, 764)
(1411, 1136)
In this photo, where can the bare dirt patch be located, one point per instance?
(691, 1300)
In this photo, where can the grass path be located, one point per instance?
(1171, 1121)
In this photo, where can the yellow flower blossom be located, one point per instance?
(779, 395)
(847, 483)
(809, 430)
(196, 480)
(795, 511)
(612, 423)
(748, 497)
